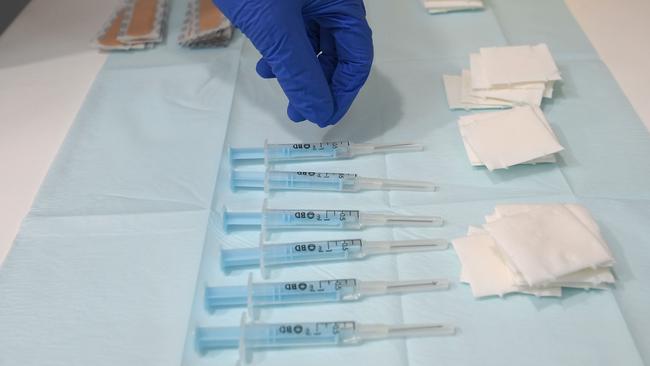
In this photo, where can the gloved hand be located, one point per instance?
(319, 50)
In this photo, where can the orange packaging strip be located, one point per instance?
(144, 22)
(137, 24)
(107, 38)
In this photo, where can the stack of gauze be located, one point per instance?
(498, 140)
(205, 26)
(535, 249)
(137, 24)
(502, 77)
(443, 6)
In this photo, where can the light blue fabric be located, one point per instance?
(103, 269)
(105, 265)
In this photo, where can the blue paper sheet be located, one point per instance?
(104, 270)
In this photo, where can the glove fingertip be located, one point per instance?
(331, 122)
(264, 70)
(294, 115)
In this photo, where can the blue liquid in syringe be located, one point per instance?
(311, 181)
(276, 335)
(311, 252)
(280, 293)
(321, 150)
(333, 219)
(296, 334)
(302, 292)
(291, 253)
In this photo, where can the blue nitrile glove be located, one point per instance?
(319, 50)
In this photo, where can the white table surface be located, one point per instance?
(47, 67)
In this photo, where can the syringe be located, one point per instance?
(276, 153)
(300, 292)
(318, 219)
(274, 255)
(320, 181)
(250, 336)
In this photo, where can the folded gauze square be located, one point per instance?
(473, 157)
(454, 92)
(511, 137)
(532, 94)
(547, 243)
(518, 64)
(579, 211)
(485, 270)
(586, 278)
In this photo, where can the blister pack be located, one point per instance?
(137, 24)
(205, 26)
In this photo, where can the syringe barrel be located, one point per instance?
(274, 219)
(315, 251)
(311, 219)
(330, 150)
(318, 219)
(297, 334)
(283, 180)
(277, 153)
(281, 293)
(299, 292)
(313, 181)
(308, 151)
(291, 253)
(275, 335)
